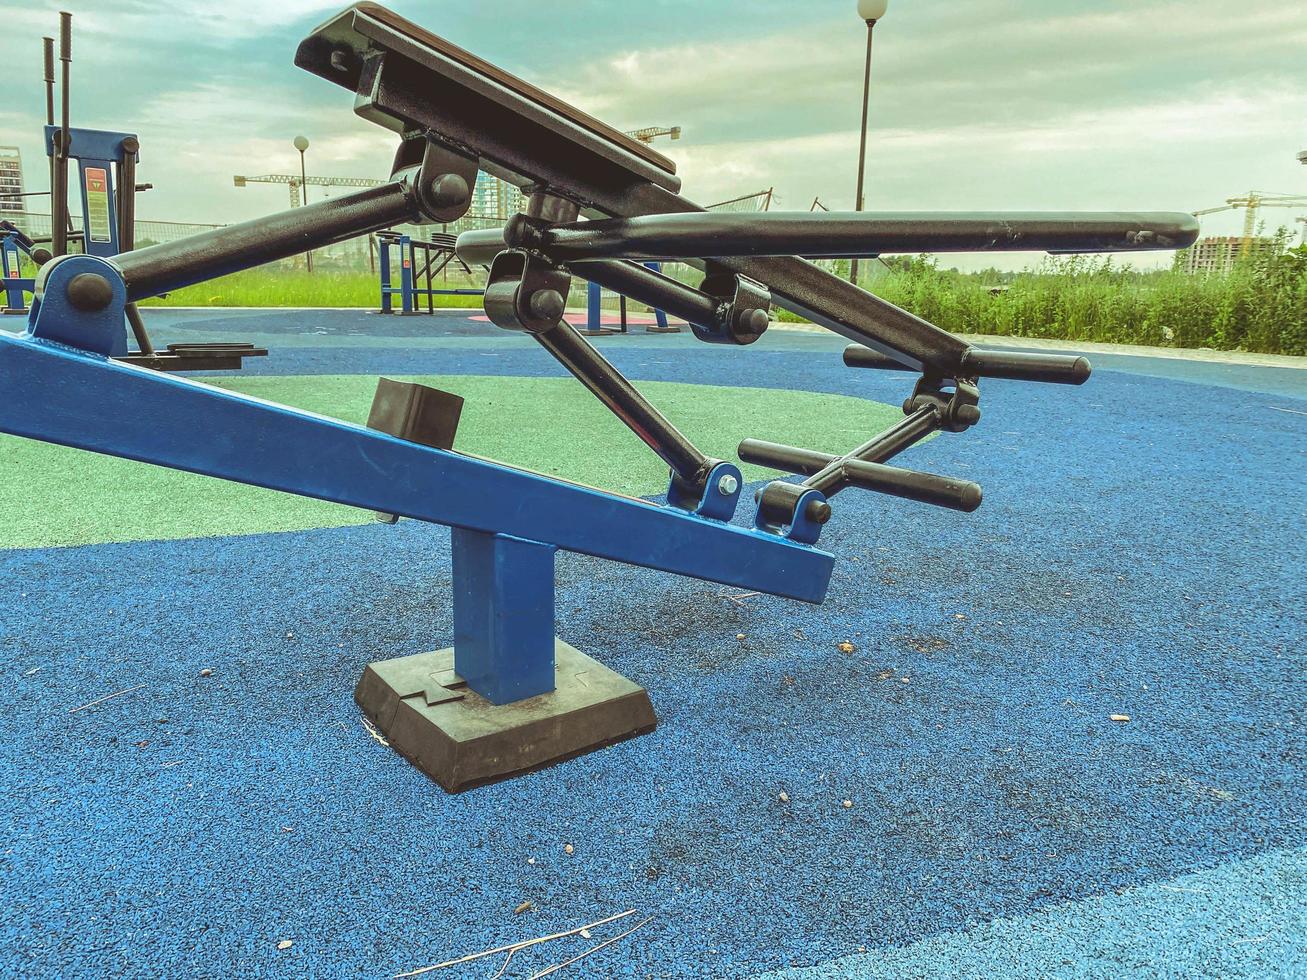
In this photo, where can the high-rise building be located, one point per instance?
(493, 198)
(11, 180)
(1217, 256)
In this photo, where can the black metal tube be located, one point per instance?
(655, 290)
(1062, 369)
(143, 343)
(927, 488)
(127, 196)
(941, 491)
(626, 278)
(880, 448)
(172, 265)
(824, 471)
(59, 216)
(48, 78)
(623, 400)
(668, 237)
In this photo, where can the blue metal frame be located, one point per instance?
(406, 290)
(57, 384)
(594, 320)
(97, 153)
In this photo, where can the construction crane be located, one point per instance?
(1249, 204)
(651, 133)
(293, 180)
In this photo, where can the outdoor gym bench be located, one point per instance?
(507, 696)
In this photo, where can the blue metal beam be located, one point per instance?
(51, 392)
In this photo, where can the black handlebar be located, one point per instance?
(1059, 369)
(927, 488)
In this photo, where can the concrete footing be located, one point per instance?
(461, 740)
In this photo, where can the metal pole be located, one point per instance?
(304, 191)
(172, 265)
(59, 216)
(48, 50)
(862, 141)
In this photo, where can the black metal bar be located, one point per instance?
(654, 290)
(1051, 368)
(59, 216)
(627, 278)
(172, 265)
(48, 51)
(127, 195)
(928, 488)
(623, 400)
(669, 237)
(143, 343)
(823, 471)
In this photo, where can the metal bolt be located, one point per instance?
(727, 485)
(448, 191)
(818, 511)
(547, 304)
(89, 292)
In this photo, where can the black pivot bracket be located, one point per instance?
(445, 177)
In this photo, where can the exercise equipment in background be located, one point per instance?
(419, 263)
(107, 188)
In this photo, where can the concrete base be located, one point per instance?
(461, 740)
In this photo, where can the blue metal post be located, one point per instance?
(406, 274)
(659, 316)
(14, 287)
(383, 248)
(503, 615)
(593, 313)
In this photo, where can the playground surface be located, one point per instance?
(949, 798)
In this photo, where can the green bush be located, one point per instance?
(1260, 306)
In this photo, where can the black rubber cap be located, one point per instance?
(449, 191)
(547, 304)
(970, 498)
(818, 511)
(90, 292)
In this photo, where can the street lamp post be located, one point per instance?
(302, 144)
(870, 11)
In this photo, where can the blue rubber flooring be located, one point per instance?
(1139, 552)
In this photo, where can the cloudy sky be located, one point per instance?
(976, 104)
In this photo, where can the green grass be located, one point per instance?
(289, 287)
(1261, 306)
(55, 496)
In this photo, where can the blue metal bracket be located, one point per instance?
(54, 318)
(804, 529)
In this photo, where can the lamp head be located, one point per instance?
(301, 143)
(872, 9)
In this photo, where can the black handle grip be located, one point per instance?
(1057, 369)
(1015, 365)
(927, 488)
